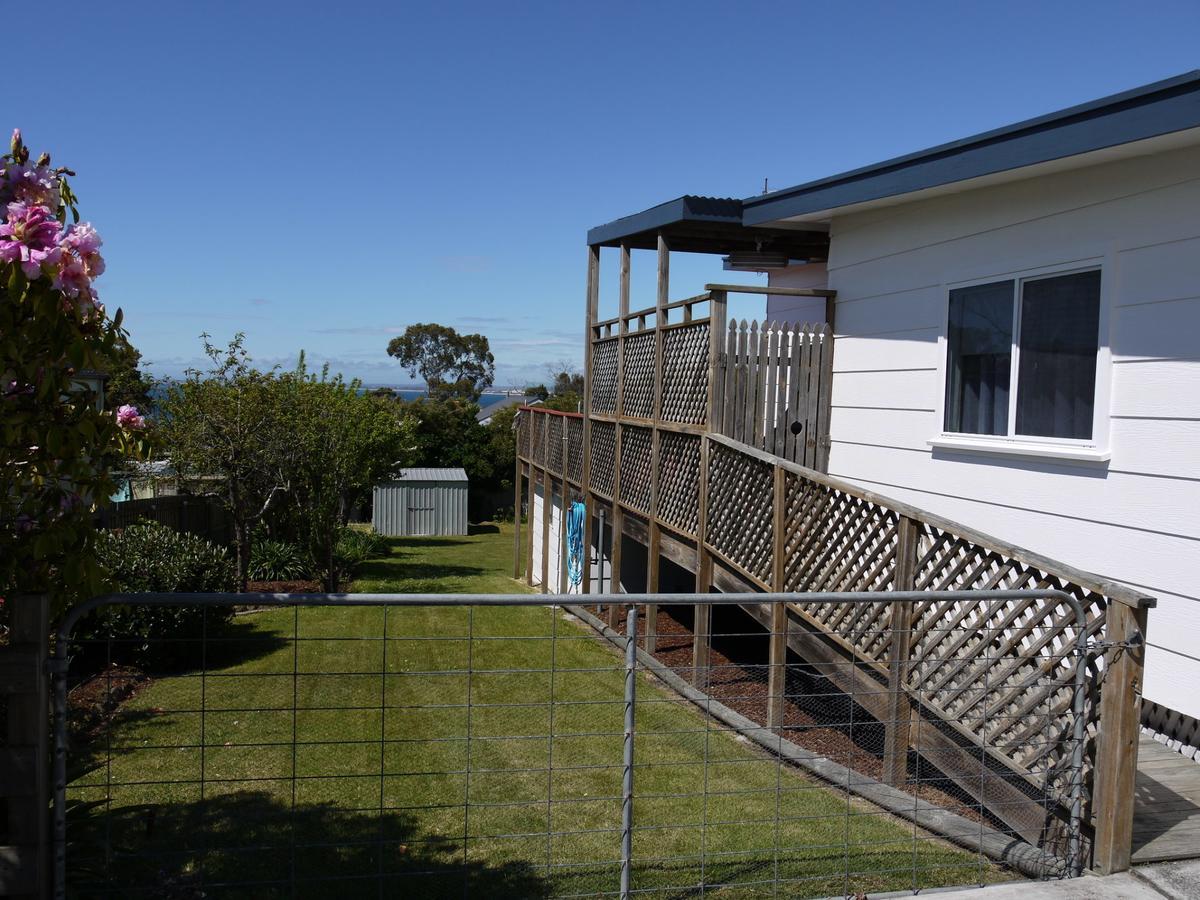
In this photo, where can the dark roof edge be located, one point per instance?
(687, 208)
(1147, 111)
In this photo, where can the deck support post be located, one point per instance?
(1117, 744)
(547, 504)
(777, 658)
(653, 558)
(517, 516)
(529, 507)
(592, 302)
(702, 615)
(898, 719)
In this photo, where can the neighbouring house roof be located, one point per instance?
(693, 224)
(492, 408)
(1160, 112)
(424, 474)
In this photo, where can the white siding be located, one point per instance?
(557, 539)
(804, 310)
(1136, 519)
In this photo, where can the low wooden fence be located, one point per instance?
(773, 389)
(203, 515)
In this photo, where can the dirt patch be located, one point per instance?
(92, 704)
(284, 587)
(816, 715)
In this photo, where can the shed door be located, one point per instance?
(422, 516)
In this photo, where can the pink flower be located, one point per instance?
(30, 237)
(83, 240)
(32, 185)
(129, 417)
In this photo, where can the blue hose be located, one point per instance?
(576, 517)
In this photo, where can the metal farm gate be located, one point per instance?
(509, 746)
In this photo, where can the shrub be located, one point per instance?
(278, 561)
(149, 556)
(354, 547)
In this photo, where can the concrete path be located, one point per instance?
(1176, 880)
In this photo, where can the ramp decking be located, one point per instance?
(1166, 809)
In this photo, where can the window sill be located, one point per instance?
(1002, 447)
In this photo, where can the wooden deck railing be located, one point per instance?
(680, 441)
(759, 520)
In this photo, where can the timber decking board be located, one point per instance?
(1166, 808)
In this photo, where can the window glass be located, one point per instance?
(1056, 381)
(979, 342)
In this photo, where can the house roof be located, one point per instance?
(492, 408)
(694, 224)
(425, 474)
(1144, 112)
(1151, 111)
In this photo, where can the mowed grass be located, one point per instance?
(290, 760)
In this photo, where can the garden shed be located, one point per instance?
(422, 502)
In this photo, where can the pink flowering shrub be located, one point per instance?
(58, 448)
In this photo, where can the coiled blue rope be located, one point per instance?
(576, 516)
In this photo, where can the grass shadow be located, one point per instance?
(257, 843)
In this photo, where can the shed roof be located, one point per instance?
(425, 474)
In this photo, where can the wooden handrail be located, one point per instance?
(1092, 582)
(780, 291)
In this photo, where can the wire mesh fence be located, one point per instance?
(501, 747)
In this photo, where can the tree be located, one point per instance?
(226, 424)
(127, 384)
(59, 449)
(453, 365)
(342, 442)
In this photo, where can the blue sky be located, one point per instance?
(322, 175)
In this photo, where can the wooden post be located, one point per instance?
(592, 302)
(1117, 744)
(702, 613)
(718, 313)
(529, 507)
(547, 503)
(824, 400)
(24, 781)
(777, 660)
(653, 559)
(614, 561)
(517, 513)
(664, 278)
(898, 720)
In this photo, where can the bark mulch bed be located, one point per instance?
(817, 716)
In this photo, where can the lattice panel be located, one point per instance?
(685, 374)
(523, 433)
(635, 466)
(574, 448)
(679, 480)
(740, 501)
(994, 666)
(604, 376)
(835, 541)
(604, 453)
(554, 460)
(537, 438)
(637, 397)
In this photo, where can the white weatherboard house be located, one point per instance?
(1017, 324)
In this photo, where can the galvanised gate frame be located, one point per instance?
(633, 871)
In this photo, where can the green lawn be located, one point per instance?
(381, 766)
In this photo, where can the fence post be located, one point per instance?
(898, 720)
(702, 612)
(777, 661)
(24, 677)
(517, 511)
(1117, 744)
(627, 771)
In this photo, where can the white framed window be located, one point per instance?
(1024, 367)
